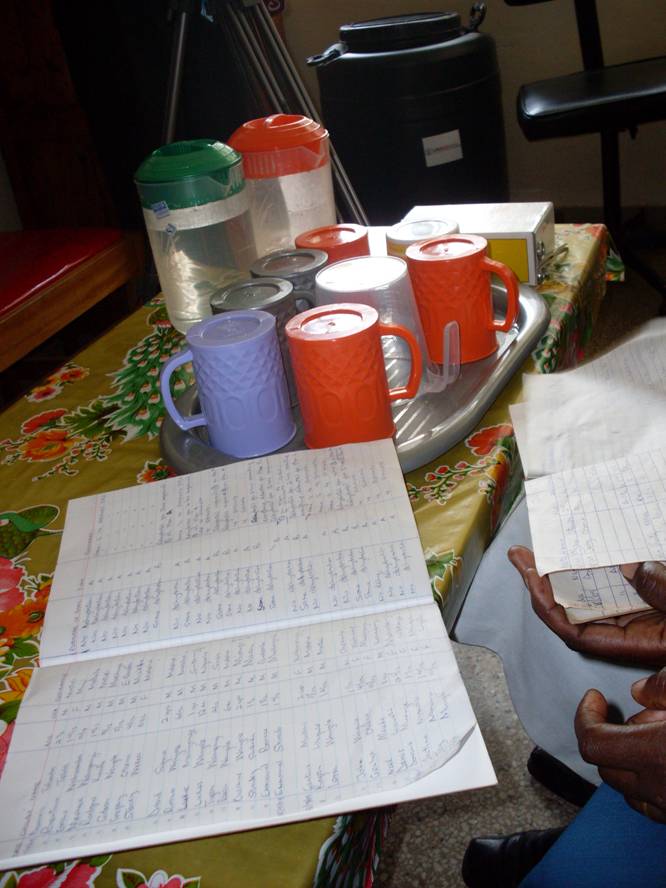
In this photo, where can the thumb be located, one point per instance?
(651, 692)
(650, 583)
(592, 710)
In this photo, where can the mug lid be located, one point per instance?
(420, 230)
(280, 145)
(331, 322)
(287, 262)
(276, 132)
(331, 236)
(452, 246)
(265, 292)
(361, 273)
(190, 159)
(229, 328)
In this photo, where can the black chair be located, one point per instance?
(604, 99)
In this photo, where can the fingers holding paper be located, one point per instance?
(649, 580)
(631, 757)
(636, 638)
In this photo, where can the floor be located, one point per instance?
(427, 839)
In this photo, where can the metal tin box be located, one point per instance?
(522, 235)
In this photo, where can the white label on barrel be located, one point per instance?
(442, 148)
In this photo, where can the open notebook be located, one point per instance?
(242, 647)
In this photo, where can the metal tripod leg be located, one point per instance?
(273, 38)
(255, 58)
(269, 60)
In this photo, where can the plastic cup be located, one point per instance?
(383, 282)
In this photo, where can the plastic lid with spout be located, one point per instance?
(280, 144)
(454, 246)
(229, 328)
(289, 263)
(352, 275)
(403, 234)
(266, 293)
(189, 173)
(396, 32)
(332, 322)
(339, 241)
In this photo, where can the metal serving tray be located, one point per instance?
(427, 426)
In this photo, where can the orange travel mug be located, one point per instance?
(336, 355)
(338, 241)
(451, 281)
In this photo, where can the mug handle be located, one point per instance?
(510, 280)
(409, 390)
(198, 419)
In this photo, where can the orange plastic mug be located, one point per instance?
(451, 280)
(336, 356)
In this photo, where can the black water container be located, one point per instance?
(413, 105)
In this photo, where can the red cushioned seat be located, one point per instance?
(52, 276)
(31, 260)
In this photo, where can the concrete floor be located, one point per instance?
(427, 839)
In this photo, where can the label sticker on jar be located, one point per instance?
(442, 148)
(160, 209)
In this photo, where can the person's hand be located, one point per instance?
(635, 638)
(631, 757)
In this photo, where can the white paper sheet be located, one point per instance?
(612, 406)
(605, 514)
(591, 426)
(239, 731)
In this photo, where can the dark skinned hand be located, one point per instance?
(631, 757)
(638, 638)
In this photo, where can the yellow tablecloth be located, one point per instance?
(93, 426)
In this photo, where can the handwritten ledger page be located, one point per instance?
(282, 658)
(586, 521)
(609, 513)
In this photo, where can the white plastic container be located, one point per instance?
(287, 169)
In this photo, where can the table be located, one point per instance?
(93, 426)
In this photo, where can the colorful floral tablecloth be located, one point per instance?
(93, 426)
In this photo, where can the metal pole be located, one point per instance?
(265, 24)
(175, 78)
(256, 58)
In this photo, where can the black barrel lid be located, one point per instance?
(401, 31)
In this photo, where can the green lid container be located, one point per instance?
(189, 174)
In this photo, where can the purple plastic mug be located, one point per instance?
(241, 383)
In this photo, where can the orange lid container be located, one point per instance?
(280, 145)
(343, 241)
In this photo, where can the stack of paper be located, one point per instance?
(591, 439)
